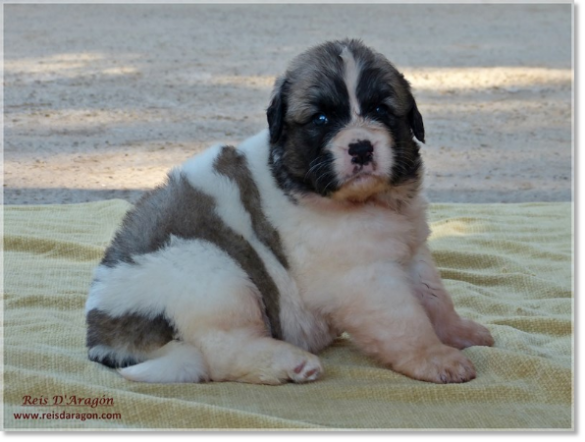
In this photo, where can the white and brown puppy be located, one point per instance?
(251, 259)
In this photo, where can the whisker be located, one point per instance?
(315, 167)
(318, 166)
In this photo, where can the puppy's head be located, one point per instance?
(341, 123)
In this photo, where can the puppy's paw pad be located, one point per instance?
(307, 370)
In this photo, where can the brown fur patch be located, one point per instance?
(208, 226)
(235, 166)
(132, 332)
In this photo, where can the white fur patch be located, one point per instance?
(190, 280)
(174, 362)
(350, 76)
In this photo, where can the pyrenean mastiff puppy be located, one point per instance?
(249, 260)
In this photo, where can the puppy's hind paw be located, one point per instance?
(308, 370)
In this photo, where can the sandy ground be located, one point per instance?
(101, 100)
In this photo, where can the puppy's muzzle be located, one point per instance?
(362, 152)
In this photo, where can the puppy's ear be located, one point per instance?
(416, 122)
(277, 110)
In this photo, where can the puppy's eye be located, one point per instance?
(381, 110)
(320, 120)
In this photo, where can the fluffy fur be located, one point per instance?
(250, 260)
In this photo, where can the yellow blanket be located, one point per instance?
(507, 266)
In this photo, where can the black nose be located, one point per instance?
(361, 152)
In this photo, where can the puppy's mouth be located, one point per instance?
(363, 174)
(369, 167)
(361, 186)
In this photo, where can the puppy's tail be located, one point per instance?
(174, 362)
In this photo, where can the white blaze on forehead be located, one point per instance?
(350, 76)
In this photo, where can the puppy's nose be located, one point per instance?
(361, 152)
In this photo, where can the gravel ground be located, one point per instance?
(101, 100)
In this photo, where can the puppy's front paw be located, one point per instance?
(467, 333)
(441, 364)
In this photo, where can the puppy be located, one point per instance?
(250, 260)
